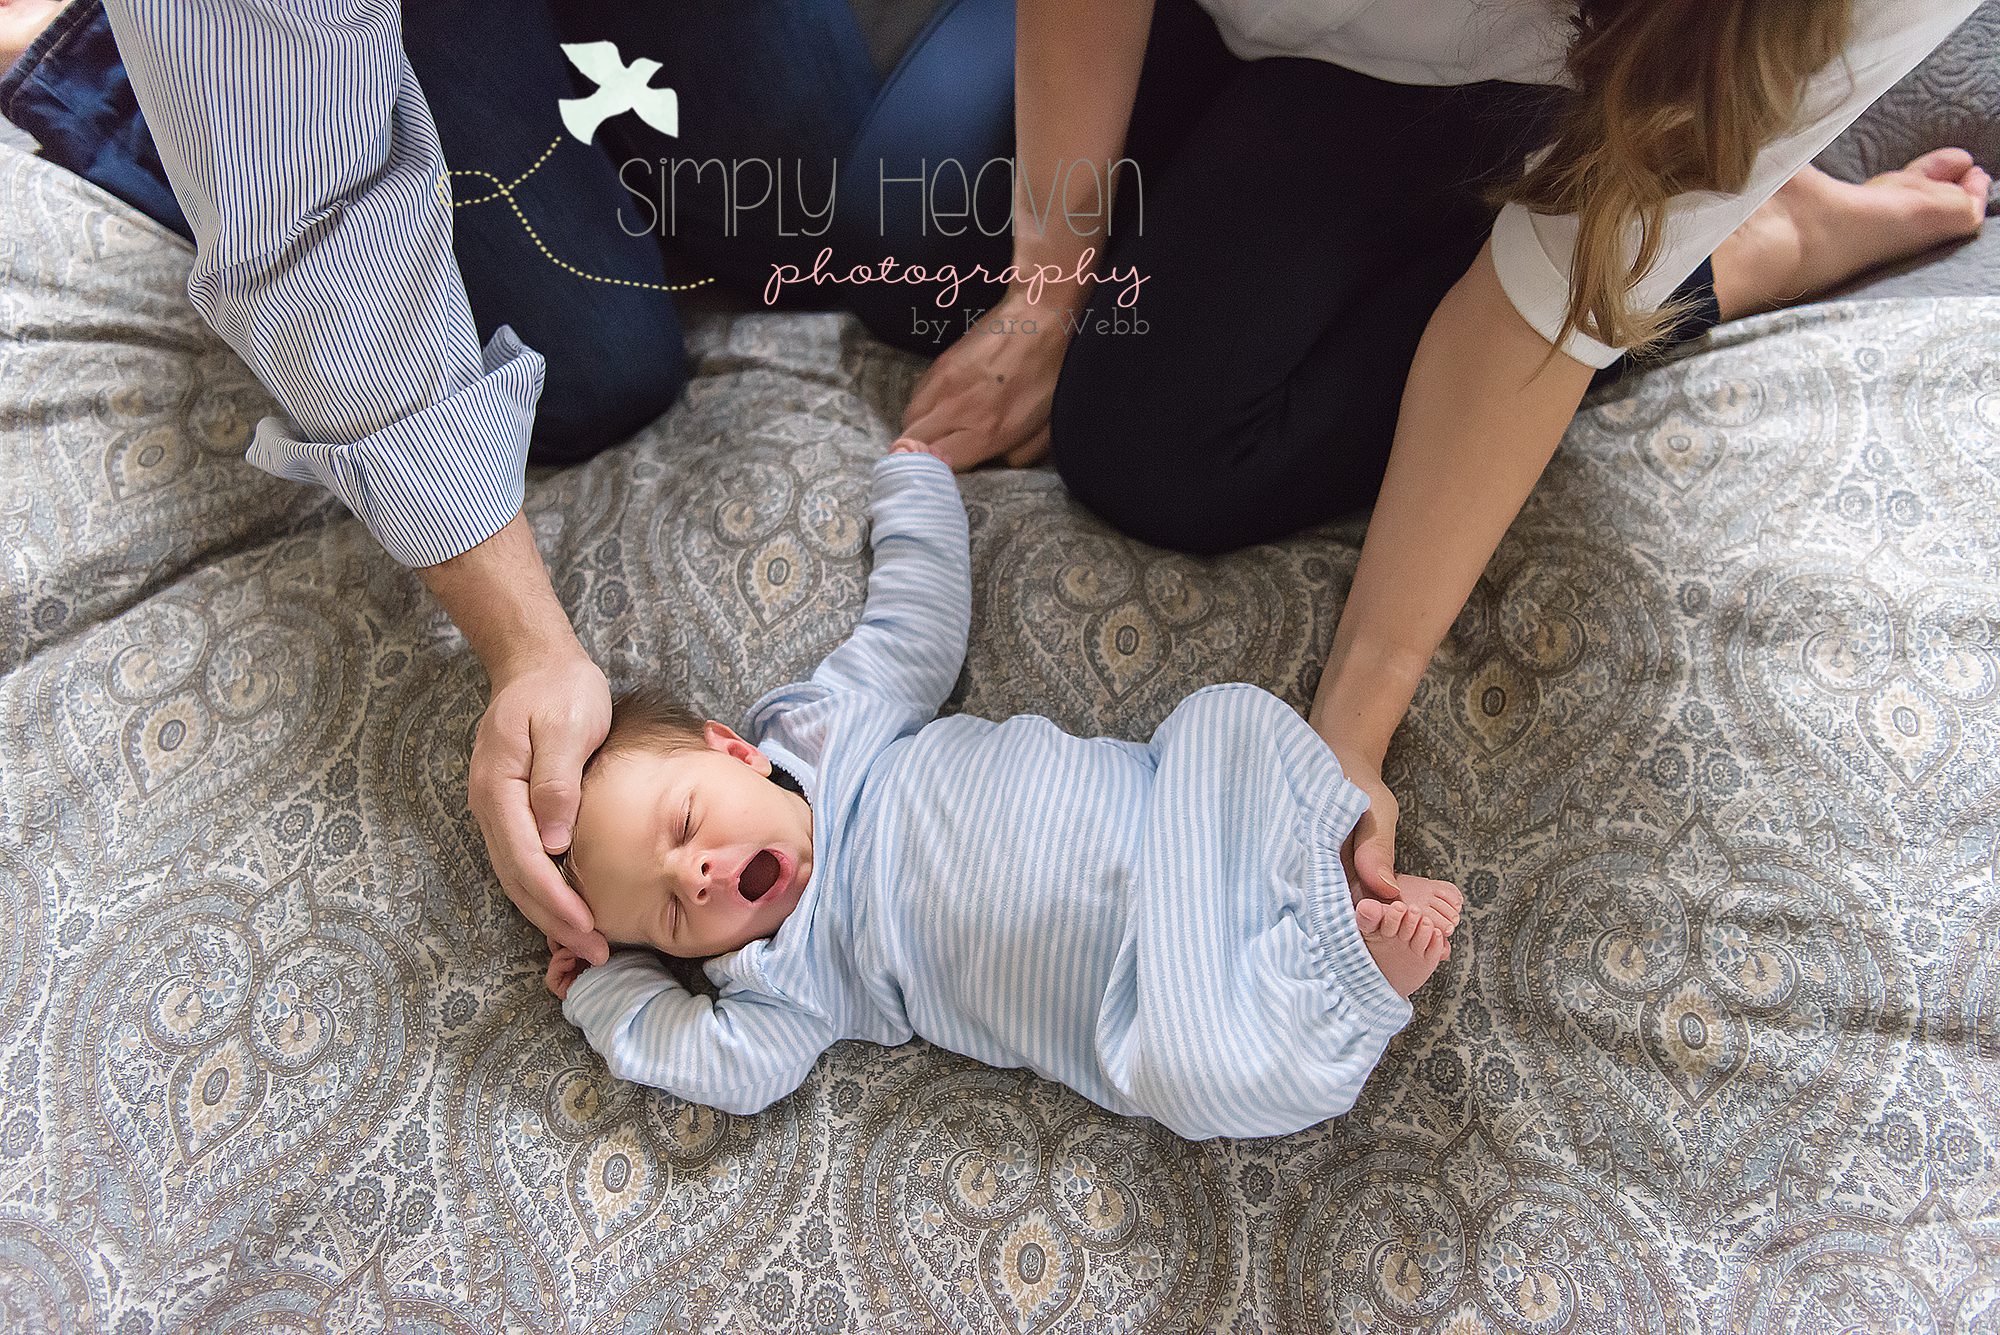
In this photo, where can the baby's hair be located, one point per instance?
(644, 718)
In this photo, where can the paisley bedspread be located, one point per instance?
(1714, 751)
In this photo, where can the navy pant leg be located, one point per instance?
(584, 292)
(69, 91)
(1302, 222)
(789, 144)
(924, 179)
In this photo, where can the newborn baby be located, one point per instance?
(1165, 926)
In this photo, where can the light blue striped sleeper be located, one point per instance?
(1162, 926)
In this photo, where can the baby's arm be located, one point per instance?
(739, 1053)
(910, 644)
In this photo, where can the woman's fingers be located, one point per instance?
(1375, 857)
(924, 398)
(1036, 450)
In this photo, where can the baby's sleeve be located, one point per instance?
(739, 1053)
(911, 641)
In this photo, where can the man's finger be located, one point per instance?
(555, 783)
(538, 890)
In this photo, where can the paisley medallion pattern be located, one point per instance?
(1714, 749)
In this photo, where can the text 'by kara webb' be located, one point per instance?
(951, 200)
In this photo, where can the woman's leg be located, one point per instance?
(1294, 246)
(1296, 241)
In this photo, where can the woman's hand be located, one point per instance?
(1370, 850)
(988, 395)
(1369, 856)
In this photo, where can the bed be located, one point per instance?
(1714, 751)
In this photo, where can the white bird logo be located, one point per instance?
(620, 88)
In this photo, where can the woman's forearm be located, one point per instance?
(1076, 71)
(1481, 415)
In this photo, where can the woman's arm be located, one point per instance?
(1076, 70)
(1480, 418)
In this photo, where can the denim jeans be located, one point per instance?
(782, 82)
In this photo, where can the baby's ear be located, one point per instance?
(719, 737)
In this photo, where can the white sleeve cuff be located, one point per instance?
(438, 482)
(1538, 286)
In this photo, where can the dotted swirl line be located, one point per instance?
(505, 190)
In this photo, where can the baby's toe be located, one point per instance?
(1368, 915)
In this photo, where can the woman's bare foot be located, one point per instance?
(1818, 232)
(21, 22)
(1406, 944)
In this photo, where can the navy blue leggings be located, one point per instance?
(1301, 224)
(784, 82)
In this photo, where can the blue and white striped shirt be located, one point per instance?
(1162, 926)
(301, 149)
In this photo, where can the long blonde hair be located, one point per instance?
(1672, 95)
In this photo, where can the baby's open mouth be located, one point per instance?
(759, 876)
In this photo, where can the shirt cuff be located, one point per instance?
(1538, 289)
(440, 481)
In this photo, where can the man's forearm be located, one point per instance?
(499, 596)
(1481, 416)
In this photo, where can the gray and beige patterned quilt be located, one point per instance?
(1714, 751)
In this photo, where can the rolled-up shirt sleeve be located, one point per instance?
(1532, 252)
(300, 147)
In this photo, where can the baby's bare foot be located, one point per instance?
(1817, 232)
(1438, 900)
(1406, 943)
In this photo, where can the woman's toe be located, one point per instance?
(1942, 164)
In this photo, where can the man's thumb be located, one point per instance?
(555, 783)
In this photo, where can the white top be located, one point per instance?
(1523, 41)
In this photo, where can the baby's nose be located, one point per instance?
(704, 872)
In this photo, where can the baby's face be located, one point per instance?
(694, 852)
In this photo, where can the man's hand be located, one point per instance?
(527, 773)
(549, 709)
